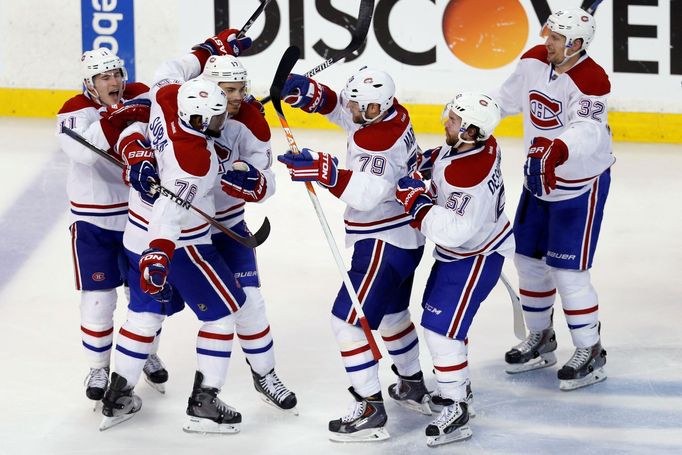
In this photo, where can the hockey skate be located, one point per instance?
(584, 368)
(155, 373)
(450, 426)
(275, 393)
(96, 383)
(410, 392)
(206, 413)
(364, 422)
(119, 403)
(533, 353)
(438, 401)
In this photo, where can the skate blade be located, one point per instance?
(161, 387)
(108, 422)
(293, 410)
(597, 375)
(543, 361)
(368, 435)
(422, 407)
(96, 406)
(460, 434)
(205, 426)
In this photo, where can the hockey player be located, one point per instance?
(386, 250)
(562, 93)
(99, 204)
(463, 214)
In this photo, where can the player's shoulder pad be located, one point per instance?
(134, 89)
(469, 171)
(590, 78)
(538, 52)
(250, 116)
(379, 137)
(77, 103)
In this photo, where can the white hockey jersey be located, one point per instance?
(468, 217)
(570, 106)
(95, 187)
(378, 155)
(246, 137)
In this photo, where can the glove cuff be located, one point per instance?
(561, 149)
(165, 245)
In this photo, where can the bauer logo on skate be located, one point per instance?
(544, 111)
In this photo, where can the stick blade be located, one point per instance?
(286, 64)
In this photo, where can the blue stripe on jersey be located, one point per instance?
(405, 349)
(570, 188)
(372, 231)
(214, 353)
(497, 245)
(195, 236)
(577, 326)
(121, 212)
(535, 310)
(229, 217)
(361, 366)
(130, 353)
(135, 223)
(257, 350)
(96, 349)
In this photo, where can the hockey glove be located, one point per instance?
(225, 43)
(140, 170)
(117, 117)
(305, 93)
(310, 166)
(154, 264)
(412, 194)
(244, 182)
(544, 156)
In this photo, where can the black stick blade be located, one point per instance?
(286, 64)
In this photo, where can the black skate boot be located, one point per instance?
(410, 392)
(119, 403)
(535, 352)
(274, 392)
(364, 422)
(584, 368)
(438, 401)
(96, 383)
(155, 373)
(450, 426)
(206, 413)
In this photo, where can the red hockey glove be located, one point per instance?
(544, 156)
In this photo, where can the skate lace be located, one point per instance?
(97, 377)
(355, 410)
(579, 358)
(447, 416)
(530, 342)
(153, 364)
(271, 383)
(224, 408)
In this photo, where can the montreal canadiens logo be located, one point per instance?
(544, 111)
(98, 276)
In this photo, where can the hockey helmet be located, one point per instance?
(370, 86)
(573, 24)
(225, 68)
(201, 97)
(475, 109)
(98, 61)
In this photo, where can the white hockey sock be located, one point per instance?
(214, 348)
(449, 363)
(254, 334)
(97, 325)
(581, 305)
(362, 369)
(537, 292)
(400, 338)
(134, 344)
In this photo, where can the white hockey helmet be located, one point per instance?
(573, 24)
(369, 86)
(201, 97)
(98, 61)
(224, 68)
(475, 109)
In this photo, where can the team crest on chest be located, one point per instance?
(544, 111)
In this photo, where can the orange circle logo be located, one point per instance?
(485, 34)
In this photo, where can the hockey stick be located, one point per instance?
(359, 33)
(252, 19)
(519, 324)
(252, 242)
(593, 7)
(285, 66)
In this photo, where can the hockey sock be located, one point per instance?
(97, 325)
(134, 344)
(362, 369)
(449, 363)
(537, 292)
(253, 331)
(581, 305)
(214, 348)
(400, 338)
